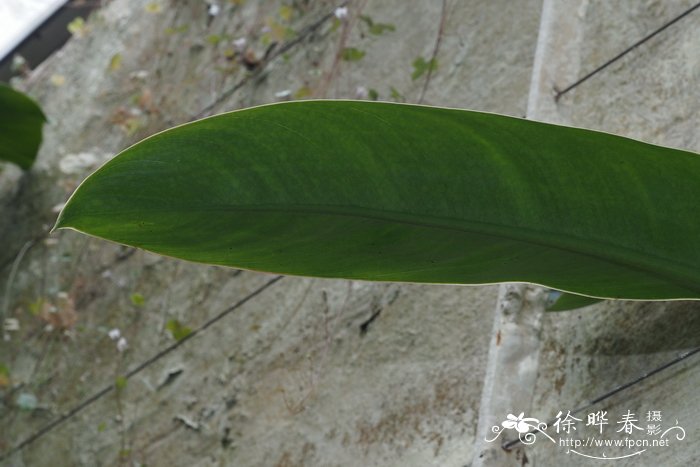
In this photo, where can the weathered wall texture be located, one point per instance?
(314, 372)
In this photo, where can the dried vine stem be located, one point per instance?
(107, 389)
(344, 35)
(271, 54)
(436, 49)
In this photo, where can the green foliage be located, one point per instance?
(566, 301)
(4, 376)
(351, 54)
(285, 12)
(277, 32)
(35, 306)
(335, 24)
(21, 122)
(137, 299)
(177, 29)
(77, 27)
(120, 383)
(377, 28)
(215, 39)
(177, 329)
(396, 95)
(115, 63)
(421, 66)
(405, 193)
(153, 7)
(302, 92)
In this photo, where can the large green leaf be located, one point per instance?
(21, 120)
(392, 192)
(568, 301)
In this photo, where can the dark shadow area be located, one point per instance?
(47, 38)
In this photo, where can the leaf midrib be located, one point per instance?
(632, 259)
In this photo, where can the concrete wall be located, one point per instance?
(301, 374)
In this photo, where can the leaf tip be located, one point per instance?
(57, 226)
(60, 222)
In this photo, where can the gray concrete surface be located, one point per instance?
(290, 378)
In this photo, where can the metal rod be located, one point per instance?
(626, 51)
(107, 389)
(508, 445)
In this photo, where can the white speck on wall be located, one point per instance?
(122, 345)
(341, 12)
(19, 18)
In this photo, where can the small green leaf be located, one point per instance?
(367, 20)
(77, 27)
(177, 329)
(137, 299)
(101, 427)
(36, 306)
(115, 62)
(302, 92)
(560, 301)
(120, 383)
(373, 94)
(277, 32)
(21, 122)
(214, 39)
(177, 29)
(153, 7)
(351, 54)
(420, 66)
(396, 95)
(377, 28)
(380, 28)
(336, 24)
(4, 376)
(285, 13)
